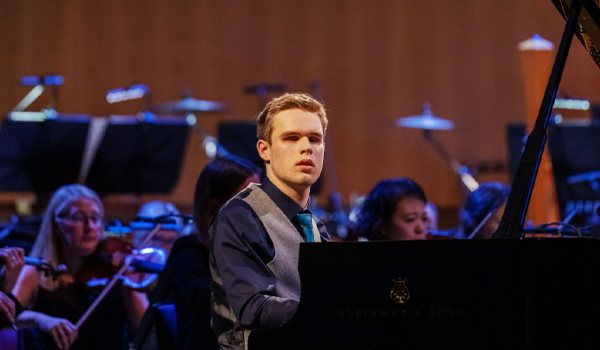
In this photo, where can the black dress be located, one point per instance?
(105, 329)
(189, 267)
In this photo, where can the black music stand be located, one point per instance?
(575, 161)
(239, 138)
(139, 157)
(41, 156)
(583, 14)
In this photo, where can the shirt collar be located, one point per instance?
(287, 205)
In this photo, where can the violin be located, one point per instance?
(122, 268)
(40, 265)
(43, 265)
(110, 256)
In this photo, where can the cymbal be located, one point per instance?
(425, 121)
(188, 105)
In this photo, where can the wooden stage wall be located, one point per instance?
(376, 60)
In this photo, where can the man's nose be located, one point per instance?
(305, 145)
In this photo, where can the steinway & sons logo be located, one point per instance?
(400, 293)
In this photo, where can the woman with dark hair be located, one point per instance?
(188, 263)
(483, 210)
(393, 210)
(220, 180)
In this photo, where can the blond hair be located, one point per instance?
(305, 102)
(47, 244)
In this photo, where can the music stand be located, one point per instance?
(41, 156)
(239, 138)
(139, 157)
(575, 160)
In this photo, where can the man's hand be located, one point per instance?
(12, 260)
(62, 331)
(7, 308)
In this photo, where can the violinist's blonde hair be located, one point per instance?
(47, 244)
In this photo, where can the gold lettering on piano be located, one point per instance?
(400, 293)
(411, 313)
(450, 312)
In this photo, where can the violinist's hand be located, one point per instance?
(7, 308)
(62, 331)
(13, 260)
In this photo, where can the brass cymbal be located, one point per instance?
(425, 121)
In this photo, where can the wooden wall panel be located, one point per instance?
(376, 60)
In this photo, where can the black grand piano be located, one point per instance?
(504, 293)
(494, 294)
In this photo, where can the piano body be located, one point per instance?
(504, 293)
(445, 294)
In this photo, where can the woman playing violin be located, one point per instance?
(71, 234)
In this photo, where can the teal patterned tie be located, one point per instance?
(305, 220)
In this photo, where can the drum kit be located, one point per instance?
(427, 122)
(189, 108)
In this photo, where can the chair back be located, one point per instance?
(165, 321)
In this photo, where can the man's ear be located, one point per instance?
(264, 150)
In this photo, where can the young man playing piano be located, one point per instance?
(256, 236)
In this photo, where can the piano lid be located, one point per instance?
(589, 21)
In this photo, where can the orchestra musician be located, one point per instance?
(188, 263)
(164, 238)
(256, 236)
(394, 210)
(11, 262)
(483, 210)
(70, 234)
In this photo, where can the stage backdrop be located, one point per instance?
(376, 60)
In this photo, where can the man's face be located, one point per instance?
(295, 155)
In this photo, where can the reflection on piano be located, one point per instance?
(506, 293)
(485, 294)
